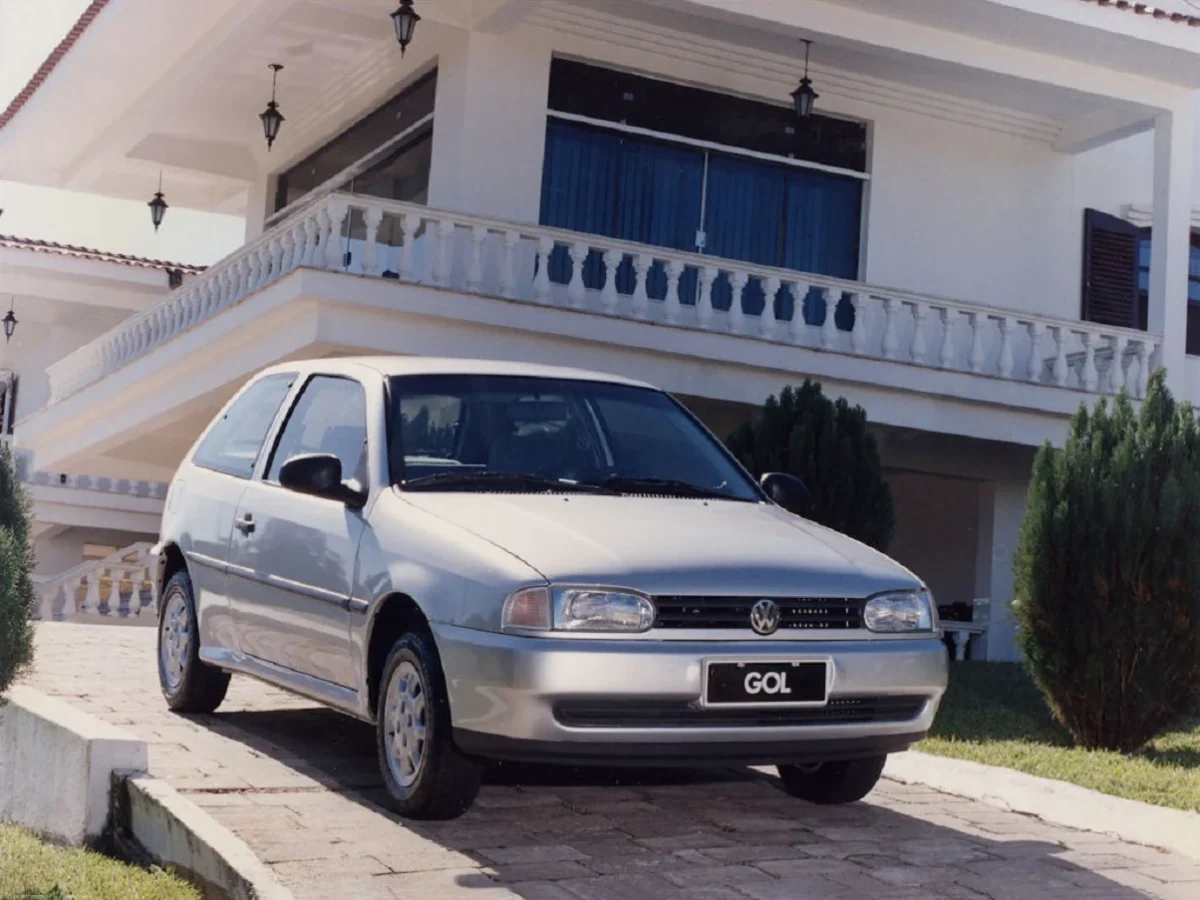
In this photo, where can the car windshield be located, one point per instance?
(522, 434)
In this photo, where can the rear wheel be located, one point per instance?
(833, 783)
(188, 684)
(426, 776)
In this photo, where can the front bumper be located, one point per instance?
(521, 697)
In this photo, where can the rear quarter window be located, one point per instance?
(235, 441)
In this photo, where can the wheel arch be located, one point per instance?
(170, 560)
(392, 615)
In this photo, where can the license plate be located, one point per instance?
(766, 683)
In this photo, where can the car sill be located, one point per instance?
(340, 698)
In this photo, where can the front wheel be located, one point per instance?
(425, 775)
(833, 783)
(188, 685)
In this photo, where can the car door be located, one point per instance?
(206, 493)
(292, 555)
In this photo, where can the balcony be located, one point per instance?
(609, 304)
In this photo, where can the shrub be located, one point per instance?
(1107, 571)
(16, 581)
(826, 444)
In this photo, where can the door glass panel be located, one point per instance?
(233, 444)
(329, 417)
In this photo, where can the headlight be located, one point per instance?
(906, 611)
(585, 609)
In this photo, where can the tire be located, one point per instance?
(189, 685)
(429, 780)
(833, 783)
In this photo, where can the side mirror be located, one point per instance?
(320, 475)
(787, 491)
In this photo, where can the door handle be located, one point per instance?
(245, 524)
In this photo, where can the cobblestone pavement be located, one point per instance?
(299, 784)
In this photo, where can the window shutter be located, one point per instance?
(1110, 269)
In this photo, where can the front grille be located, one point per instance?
(734, 612)
(681, 714)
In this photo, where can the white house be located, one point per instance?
(985, 222)
(63, 297)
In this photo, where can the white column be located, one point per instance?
(1170, 239)
(489, 137)
(260, 203)
(1001, 510)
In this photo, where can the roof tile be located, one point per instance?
(51, 61)
(1148, 9)
(141, 262)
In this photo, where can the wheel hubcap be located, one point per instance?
(405, 724)
(176, 640)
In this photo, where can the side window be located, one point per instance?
(233, 444)
(329, 417)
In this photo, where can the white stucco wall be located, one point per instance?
(953, 208)
(37, 345)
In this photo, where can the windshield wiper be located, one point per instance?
(628, 485)
(502, 480)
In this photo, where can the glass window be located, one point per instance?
(1193, 296)
(600, 93)
(403, 174)
(329, 417)
(234, 442)
(363, 138)
(484, 432)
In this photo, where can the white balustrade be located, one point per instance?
(95, 589)
(589, 273)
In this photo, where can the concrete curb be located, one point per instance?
(175, 831)
(69, 776)
(56, 766)
(1053, 801)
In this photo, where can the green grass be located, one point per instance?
(33, 870)
(994, 714)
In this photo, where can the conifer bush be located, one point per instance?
(16, 579)
(1107, 571)
(826, 444)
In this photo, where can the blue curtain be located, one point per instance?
(599, 183)
(660, 193)
(743, 220)
(824, 213)
(650, 192)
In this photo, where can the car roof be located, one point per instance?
(388, 366)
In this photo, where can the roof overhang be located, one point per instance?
(176, 86)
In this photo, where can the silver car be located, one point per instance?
(504, 561)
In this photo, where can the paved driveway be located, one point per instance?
(300, 786)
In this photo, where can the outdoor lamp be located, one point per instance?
(804, 96)
(271, 117)
(158, 206)
(10, 323)
(405, 19)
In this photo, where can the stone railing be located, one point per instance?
(118, 587)
(552, 267)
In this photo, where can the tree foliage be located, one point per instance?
(826, 444)
(16, 578)
(1107, 571)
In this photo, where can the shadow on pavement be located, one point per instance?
(675, 834)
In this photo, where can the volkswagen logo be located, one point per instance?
(764, 616)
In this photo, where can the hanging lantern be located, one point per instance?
(804, 97)
(158, 206)
(271, 117)
(405, 19)
(10, 323)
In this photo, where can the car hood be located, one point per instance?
(669, 546)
